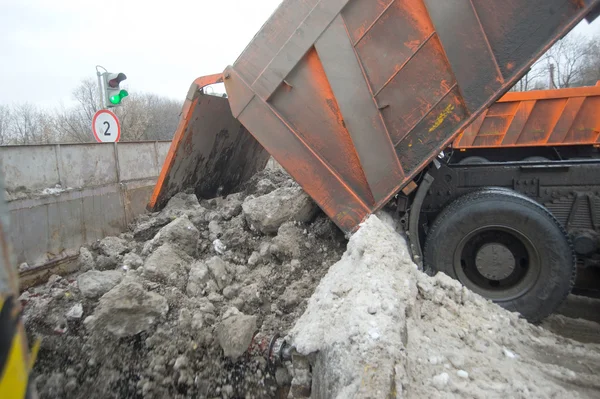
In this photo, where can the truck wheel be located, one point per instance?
(505, 247)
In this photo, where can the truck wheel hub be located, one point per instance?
(495, 261)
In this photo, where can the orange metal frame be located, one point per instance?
(537, 118)
(188, 106)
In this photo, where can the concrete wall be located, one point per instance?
(103, 187)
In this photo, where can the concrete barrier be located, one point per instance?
(64, 196)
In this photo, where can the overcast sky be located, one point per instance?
(49, 46)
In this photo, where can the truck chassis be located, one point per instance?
(544, 221)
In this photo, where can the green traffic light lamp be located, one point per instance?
(116, 99)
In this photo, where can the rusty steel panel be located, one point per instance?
(586, 127)
(296, 47)
(467, 48)
(211, 151)
(402, 22)
(436, 127)
(430, 69)
(469, 135)
(298, 156)
(537, 118)
(361, 15)
(515, 28)
(413, 91)
(324, 126)
(566, 119)
(359, 110)
(330, 191)
(272, 37)
(516, 125)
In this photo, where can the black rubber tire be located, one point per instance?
(474, 160)
(556, 270)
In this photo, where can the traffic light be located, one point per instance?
(113, 94)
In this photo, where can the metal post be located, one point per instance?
(101, 98)
(100, 91)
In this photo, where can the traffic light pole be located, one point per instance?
(100, 90)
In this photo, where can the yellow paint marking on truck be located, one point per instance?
(442, 117)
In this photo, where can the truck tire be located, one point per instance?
(505, 247)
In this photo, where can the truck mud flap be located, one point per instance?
(211, 152)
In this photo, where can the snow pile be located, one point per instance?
(56, 190)
(378, 327)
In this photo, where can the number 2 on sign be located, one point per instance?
(106, 133)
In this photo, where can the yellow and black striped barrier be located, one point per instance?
(16, 360)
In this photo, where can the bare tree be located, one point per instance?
(142, 116)
(591, 67)
(74, 124)
(567, 58)
(29, 125)
(5, 125)
(163, 117)
(146, 116)
(71, 128)
(86, 95)
(134, 119)
(532, 78)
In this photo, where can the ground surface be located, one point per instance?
(168, 309)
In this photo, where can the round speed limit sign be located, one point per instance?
(106, 127)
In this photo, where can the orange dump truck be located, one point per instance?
(359, 99)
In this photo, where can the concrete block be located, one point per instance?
(87, 165)
(33, 167)
(54, 225)
(162, 148)
(103, 214)
(136, 196)
(44, 228)
(34, 225)
(137, 161)
(71, 224)
(17, 236)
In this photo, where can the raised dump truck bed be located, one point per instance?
(355, 97)
(561, 117)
